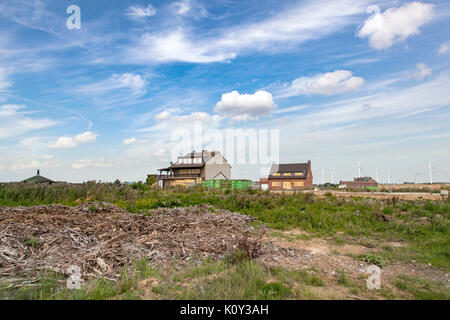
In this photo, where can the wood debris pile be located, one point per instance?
(101, 238)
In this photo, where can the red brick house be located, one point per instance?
(289, 176)
(359, 183)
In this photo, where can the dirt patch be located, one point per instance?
(146, 286)
(329, 259)
(351, 249)
(101, 238)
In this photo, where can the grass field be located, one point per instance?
(422, 227)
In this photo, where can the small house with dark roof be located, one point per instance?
(288, 176)
(38, 179)
(359, 183)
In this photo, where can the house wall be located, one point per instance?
(215, 165)
(289, 184)
(183, 182)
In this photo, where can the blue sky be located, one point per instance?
(343, 81)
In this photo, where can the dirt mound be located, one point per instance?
(101, 238)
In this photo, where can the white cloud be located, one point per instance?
(140, 12)
(15, 122)
(294, 25)
(395, 24)
(129, 141)
(444, 47)
(181, 7)
(161, 153)
(339, 81)
(72, 142)
(4, 82)
(33, 144)
(422, 71)
(19, 165)
(46, 156)
(243, 107)
(165, 124)
(385, 104)
(163, 115)
(130, 81)
(84, 163)
(10, 110)
(175, 46)
(202, 117)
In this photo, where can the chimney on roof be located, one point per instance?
(38, 171)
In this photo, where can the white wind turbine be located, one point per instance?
(359, 169)
(431, 174)
(378, 179)
(332, 175)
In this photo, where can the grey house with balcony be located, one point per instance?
(194, 167)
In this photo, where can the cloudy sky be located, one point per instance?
(344, 82)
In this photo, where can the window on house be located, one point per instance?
(275, 174)
(276, 184)
(286, 174)
(299, 173)
(299, 184)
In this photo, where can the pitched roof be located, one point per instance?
(38, 179)
(362, 181)
(206, 155)
(290, 167)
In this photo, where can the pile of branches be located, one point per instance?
(101, 239)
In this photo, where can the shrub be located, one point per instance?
(373, 259)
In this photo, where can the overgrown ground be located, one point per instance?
(328, 242)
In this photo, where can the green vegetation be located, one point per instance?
(395, 231)
(208, 280)
(422, 289)
(373, 259)
(423, 225)
(52, 286)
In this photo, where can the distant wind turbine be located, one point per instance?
(332, 175)
(359, 169)
(431, 174)
(378, 179)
